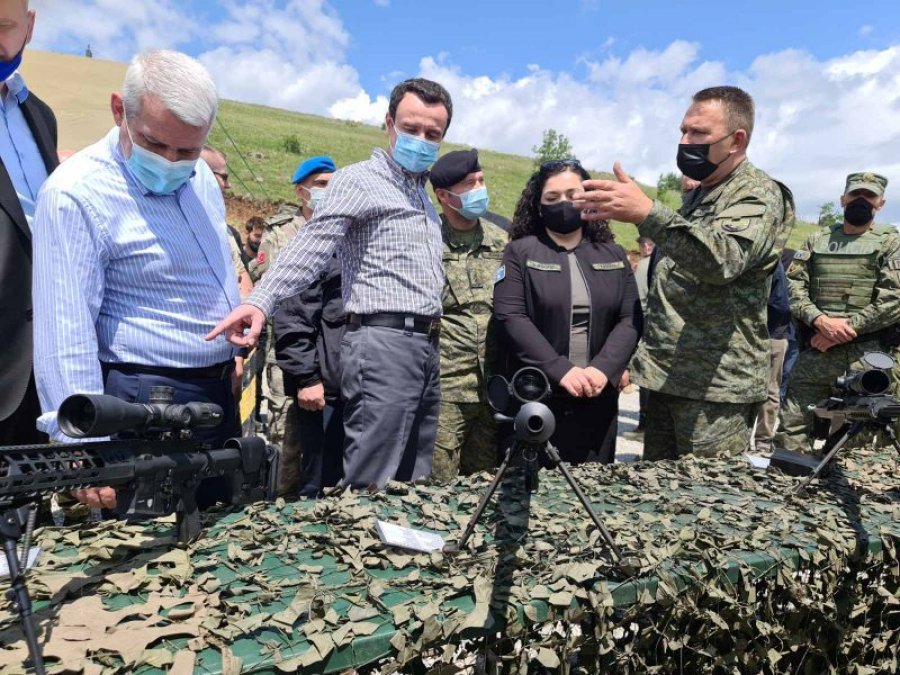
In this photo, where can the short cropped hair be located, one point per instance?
(180, 82)
(253, 222)
(738, 104)
(427, 90)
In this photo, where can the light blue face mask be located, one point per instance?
(156, 173)
(474, 203)
(413, 153)
(315, 196)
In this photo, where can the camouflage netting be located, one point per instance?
(732, 576)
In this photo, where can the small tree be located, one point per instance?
(669, 182)
(554, 146)
(830, 215)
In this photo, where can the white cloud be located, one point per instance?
(817, 120)
(866, 30)
(115, 30)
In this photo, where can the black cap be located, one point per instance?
(453, 167)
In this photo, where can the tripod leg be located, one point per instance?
(11, 529)
(576, 488)
(492, 488)
(851, 431)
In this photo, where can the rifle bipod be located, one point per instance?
(11, 526)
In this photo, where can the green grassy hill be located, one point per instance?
(274, 141)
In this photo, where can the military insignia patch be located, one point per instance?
(500, 274)
(736, 225)
(894, 264)
(544, 267)
(261, 258)
(618, 265)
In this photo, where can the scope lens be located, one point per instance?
(530, 384)
(875, 381)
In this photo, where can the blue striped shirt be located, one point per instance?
(124, 276)
(388, 235)
(18, 149)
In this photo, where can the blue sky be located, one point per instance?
(503, 37)
(615, 78)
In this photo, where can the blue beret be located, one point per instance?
(320, 164)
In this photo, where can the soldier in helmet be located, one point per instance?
(473, 251)
(310, 180)
(844, 286)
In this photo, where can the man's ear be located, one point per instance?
(117, 105)
(881, 204)
(741, 139)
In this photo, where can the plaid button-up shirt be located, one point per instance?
(388, 237)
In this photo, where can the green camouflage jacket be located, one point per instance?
(864, 271)
(466, 348)
(280, 229)
(706, 336)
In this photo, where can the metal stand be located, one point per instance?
(11, 531)
(530, 453)
(839, 439)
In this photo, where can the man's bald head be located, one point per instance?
(16, 24)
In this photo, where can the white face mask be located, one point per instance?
(315, 196)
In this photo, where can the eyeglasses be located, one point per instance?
(223, 176)
(554, 164)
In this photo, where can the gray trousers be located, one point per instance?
(391, 388)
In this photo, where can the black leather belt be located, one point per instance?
(220, 371)
(426, 325)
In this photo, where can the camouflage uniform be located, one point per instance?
(465, 440)
(280, 229)
(705, 349)
(854, 276)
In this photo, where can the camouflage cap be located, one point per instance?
(866, 180)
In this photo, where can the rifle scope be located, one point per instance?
(96, 415)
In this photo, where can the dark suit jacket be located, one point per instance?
(15, 265)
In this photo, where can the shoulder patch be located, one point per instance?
(894, 264)
(748, 210)
(544, 267)
(617, 265)
(802, 255)
(500, 274)
(261, 258)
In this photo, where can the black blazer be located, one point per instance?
(309, 327)
(15, 264)
(533, 299)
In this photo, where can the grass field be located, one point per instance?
(272, 141)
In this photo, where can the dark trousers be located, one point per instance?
(392, 393)
(20, 427)
(322, 447)
(643, 398)
(135, 388)
(586, 427)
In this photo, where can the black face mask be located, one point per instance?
(859, 212)
(693, 159)
(561, 217)
(253, 245)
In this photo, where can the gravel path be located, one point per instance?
(627, 450)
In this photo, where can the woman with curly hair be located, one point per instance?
(566, 301)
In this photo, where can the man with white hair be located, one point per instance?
(132, 262)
